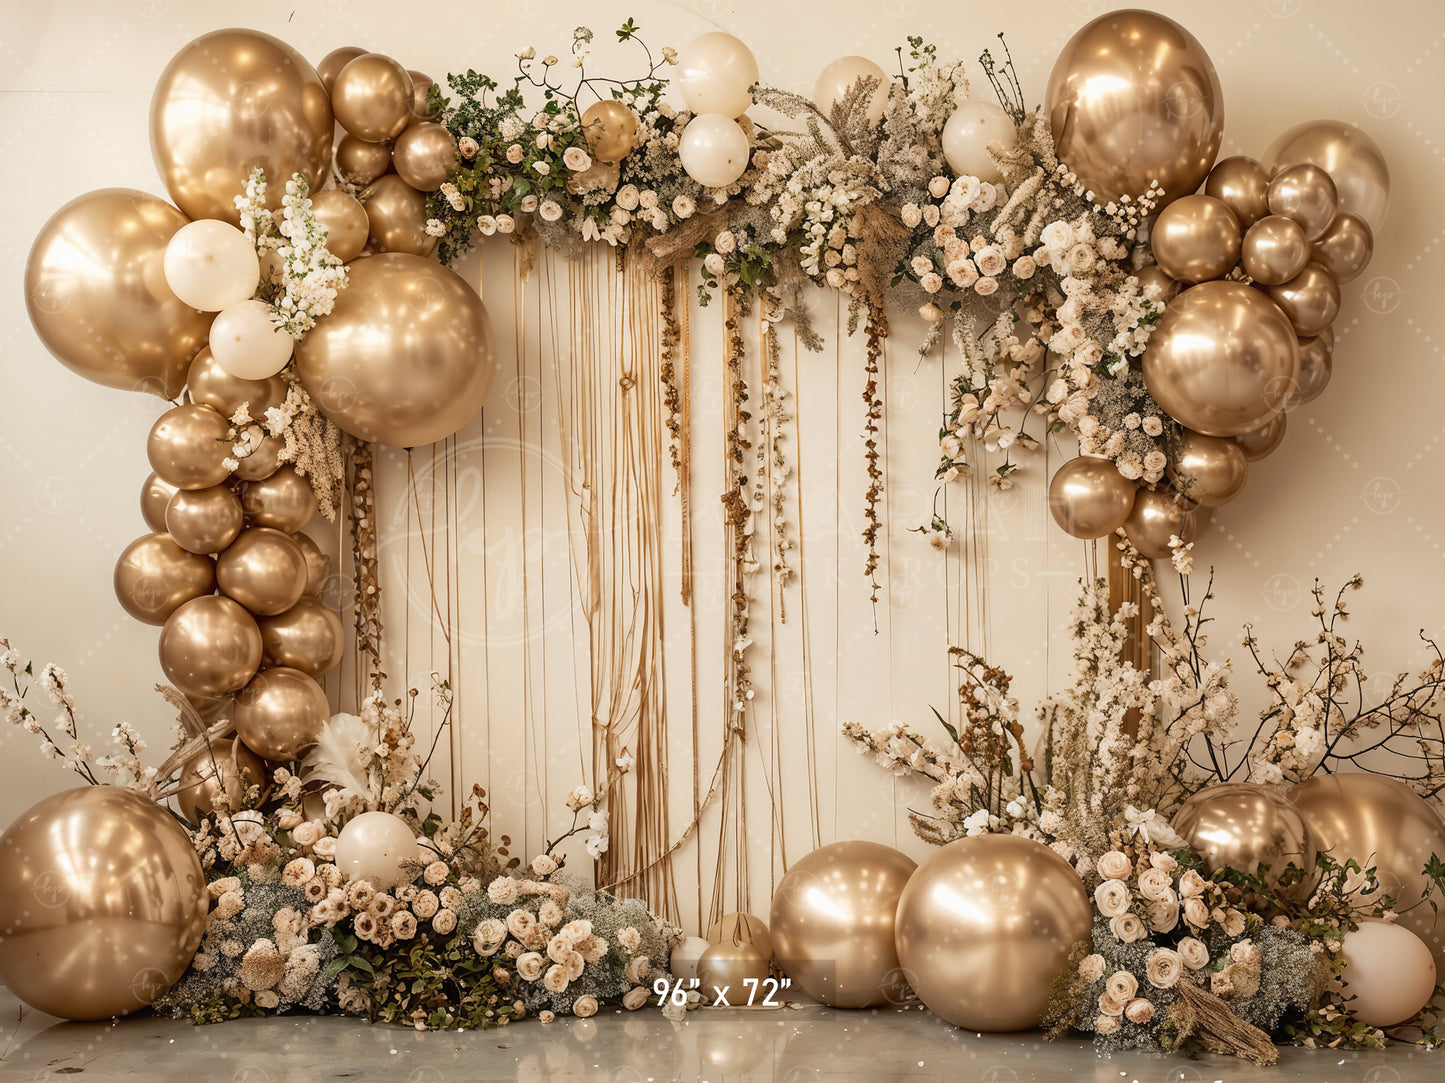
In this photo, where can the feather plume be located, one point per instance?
(342, 756)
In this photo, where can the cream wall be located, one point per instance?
(1354, 487)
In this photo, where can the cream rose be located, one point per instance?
(1163, 916)
(1162, 861)
(1109, 1006)
(530, 965)
(555, 980)
(986, 287)
(1121, 986)
(1106, 1025)
(445, 922)
(1191, 884)
(1196, 913)
(990, 260)
(636, 998)
(424, 904)
(1156, 885)
(1091, 967)
(1111, 898)
(436, 873)
(1163, 968)
(1233, 923)
(502, 891)
(1139, 1010)
(584, 1007)
(324, 847)
(1193, 953)
(1127, 927)
(488, 936)
(307, 834)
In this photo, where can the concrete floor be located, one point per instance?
(793, 1043)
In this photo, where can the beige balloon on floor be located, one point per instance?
(740, 928)
(227, 768)
(371, 97)
(1208, 470)
(204, 520)
(155, 494)
(96, 293)
(308, 637)
(210, 647)
(154, 577)
(284, 500)
(611, 130)
(1195, 238)
(332, 63)
(1158, 515)
(833, 923)
(102, 903)
(1311, 300)
(985, 926)
(425, 155)
(360, 162)
(188, 447)
(279, 714)
(1389, 974)
(396, 217)
(1263, 440)
(1243, 825)
(1306, 194)
(211, 385)
(1274, 250)
(264, 570)
(1241, 184)
(1352, 159)
(725, 970)
(1089, 498)
(345, 220)
(318, 564)
(1346, 246)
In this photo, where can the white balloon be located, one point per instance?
(1388, 970)
(838, 77)
(209, 264)
(374, 847)
(686, 955)
(713, 150)
(714, 73)
(246, 344)
(969, 131)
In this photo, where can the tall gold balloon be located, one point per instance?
(1274, 250)
(1306, 194)
(228, 102)
(611, 130)
(1243, 825)
(1311, 300)
(187, 446)
(1382, 823)
(396, 217)
(211, 385)
(204, 520)
(1208, 470)
(724, 970)
(1240, 183)
(279, 714)
(102, 903)
(1134, 98)
(318, 564)
(154, 577)
(985, 926)
(346, 223)
(1157, 516)
(1315, 368)
(1195, 238)
(332, 63)
(96, 293)
(405, 358)
(210, 647)
(308, 637)
(833, 923)
(740, 928)
(264, 570)
(1263, 440)
(360, 162)
(1346, 246)
(285, 500)
(425, 155)
(1222, 359)
(225, 768)
(1353, 160)
(372, 97)
(155, 494)
(1089, 498)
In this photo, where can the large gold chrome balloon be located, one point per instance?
(211, 385)
(360, 162)
(1385, 825)
(204, 520)
(102, 903)
(1222, 359)
(1208, 470)
(1274, 250)
(279, 714)
(264, 570)
(262, 455)
(154, 577)
(210, 647)
(332, 63)
(226, 767)
(611, 130)
(1243, 825)
(1352, 159)
(1195, 238)
(1346, 246)
(155, 494)
(1158, 515)
(1306, 194)
(228, 102)
(725, 969)
(1263, 440)
(1167, 288)
(284, 500)
(1311, 300)
(1316, 365)
(425, 155)
(1089, 498)
(1240, 183)
(396, 217)
(405, 358)
(345, 220)
(833, 923)
(985, 926)
(188, 447)
(308, 637)
(372, 97)
(96, 293)
(1134, 98)
(318, 564)
(740, 928)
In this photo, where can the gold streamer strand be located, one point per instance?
(360, 469)
(876, 329)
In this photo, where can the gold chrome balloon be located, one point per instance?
(204, 520)
(611, 130)
(346, 223)
(360, 162)
(425, 155)
(1240, 183)
(1208, 470)
(1352, 159)
(1382, 823)
(985, 926)
(405, 358)
(226, 767)
(284, 500)
(1306, 194)
(1316, 365)
(1346, 247)
(396, 217)
(724, 969)
(1157, 516)
(96, 293)
(154, 577)
(1263, 440)
(1195, 238)
(1153, 276)
(371, 97)
(279, 714)
(833, 923)
(210, 647)
(1134, 98)
(228, 102)
(264, 570)
(1242, 825)
(102, 903)
(263, 455)
(1274, 250)
(740, 928)
(155, 494)
(308, 637)
(188, 447)
(1311, 300)
(1222, 359)
(421, 84)
(1089, 498)
(332, 63)
(318, 564)
(211, 385)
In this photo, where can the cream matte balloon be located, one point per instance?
(264, 570)
(971, 129)
(1208, 470)
(228, 102)
(211, 385)
(102, 903)
(308, 637)
(421, 84)
(396, 217)
(1241, 184)
(1132, 98)
(226, 768)
(740, 928)
(285, 500)
(360, 162)
(1243, 825)
(1089, 498)
(1222, 359)
(211, 264)
(1156, 285)
(332, 63)
(724, 969)
(210, 647)
(1346, 246)
(96, 293)
(425, 155)
(154, 577)
(1389, 974)
(246, 342)
(1381, 822)
(204, 520)
(1158, 515)
(345, 220)
(1274, 250)
(279, 713)
(155, 494)
(1316, 366)
(318, 564)
(685, 957)
(713, 150)
(842, 75)
(1352, 159)
(377, 847)
(833, 923)
(1306, 194)
(611, 130)
(1263, 440)
(405, 358)
(187, 446)
(261, 457)
(1195, 238)
(714, 72)
(1311, 300)
(984, 927)
(372, 97)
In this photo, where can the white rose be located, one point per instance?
(555, 980)
(714, 264)
(1196, 913)
(1127, 927)
(1121, 986)
(1111, 898)
(576, 159)
(1110, 1007)
(584, 1007)
(1163, 915)
(1024, 267)
(938, 187)
(932, 282)
(990, 260)
(1190, 884)
(911, 215)
(1163, 968)
(1081, 258)
(725, 242)
(550, 210)
(1233, 923)
(1193, 953)
(986, 287)
(530, 965)
(1156, 885)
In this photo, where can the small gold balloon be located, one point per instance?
(1316, 366)
(360, 162)
(102, 903)
(1208, 470)
(264, 570)
(188, 447)
(396, 216)
(1352, 159)
(154, 577)
(833, 923)
(1195, 238)
(1274, 250)
(204, 520)
(1089, 498)
(1311, 300)
(425, 155)
(332, 63)
(1346, 246)
(155, 494)
(1263, 440)
(308, 637)
(318, 564)
(285, 500)
(1241, 184)
(1306, 194)
(1158, 515)
(210, 647)
(372, 97)
(211, 385)
(346, 225)
(421, 84)
(279, 714)
(725, 967)
(996, 906)
(611, 130)
(1242, 825)
(218, 777)
(263, 457)
(740, 928)
(1153, 277)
